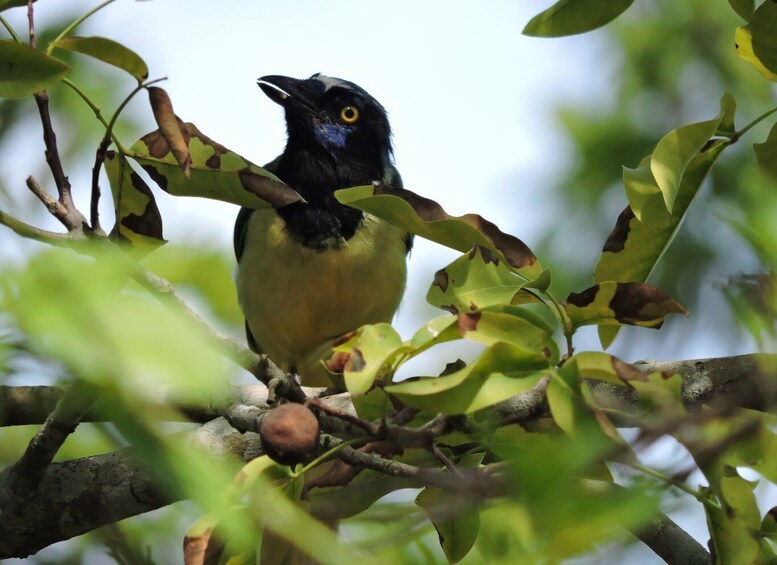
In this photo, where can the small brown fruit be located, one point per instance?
(290, 434)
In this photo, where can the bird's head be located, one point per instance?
(331, 114)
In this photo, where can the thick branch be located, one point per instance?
(78, 496)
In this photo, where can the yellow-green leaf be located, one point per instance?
(568, 17)
(370, 349)
(510, 324)
(475, 280)
(614, 303)
(756, 42)
(427, 219)
(501, 371)
(675, 152)
(25, 71)
(108, 51)
(138, 221)
(215, 172)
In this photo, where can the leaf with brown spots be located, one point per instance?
(215, 172)
(475, 280)
(371, 349)
(138, 221)
(426, 218)
(510, 324)
(614, 303)
(645, 229)
(502, 371)
(605, 367)
(171, 127)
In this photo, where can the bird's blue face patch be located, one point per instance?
(331, 135)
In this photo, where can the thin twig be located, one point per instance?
(75, 220)
(78, 21)
(53, 205)
(31, 22)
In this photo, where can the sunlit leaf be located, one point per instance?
(501, 371)
(568, 17)
(475, 280)
(215, 172)
(613, 303)
(25, 71)
(138, 221)
(756, 42)
(674, 153)
(369, 349)
(427, 219)
(108, 51)
(605, 367)
(509, 324)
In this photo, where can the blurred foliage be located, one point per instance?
(672, 61)
(93, 319)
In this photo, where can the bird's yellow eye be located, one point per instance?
(349, 114)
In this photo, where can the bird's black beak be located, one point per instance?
(285, 91)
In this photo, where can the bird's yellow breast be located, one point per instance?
(297, 300)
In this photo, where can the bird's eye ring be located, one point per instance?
(349, 114)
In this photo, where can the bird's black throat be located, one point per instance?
(321, 222)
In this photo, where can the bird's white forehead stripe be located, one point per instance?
(284, 94)
(328, 82)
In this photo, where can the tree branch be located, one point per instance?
(63, 420)
(78, 496)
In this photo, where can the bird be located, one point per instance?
(311, 271)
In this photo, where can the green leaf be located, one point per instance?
(427, 219)
(733, 527)
(438, 330)
(641, 191)
(5, 4)
(614, 303)
(25, 71)
(744, 8)
(568, 17)
(171, 127)
(476, 280)
(635, 246)
(756, 42)
(501, 371)
(728, 109)
(108, 51)
(674, 153)
(456, 519)
(72, 310)
(138, 221)
(370, 349)
(510, 324)
(766, 154)
(216, 172)
(339, 503)
(605, 367)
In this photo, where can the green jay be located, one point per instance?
(314, 270)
